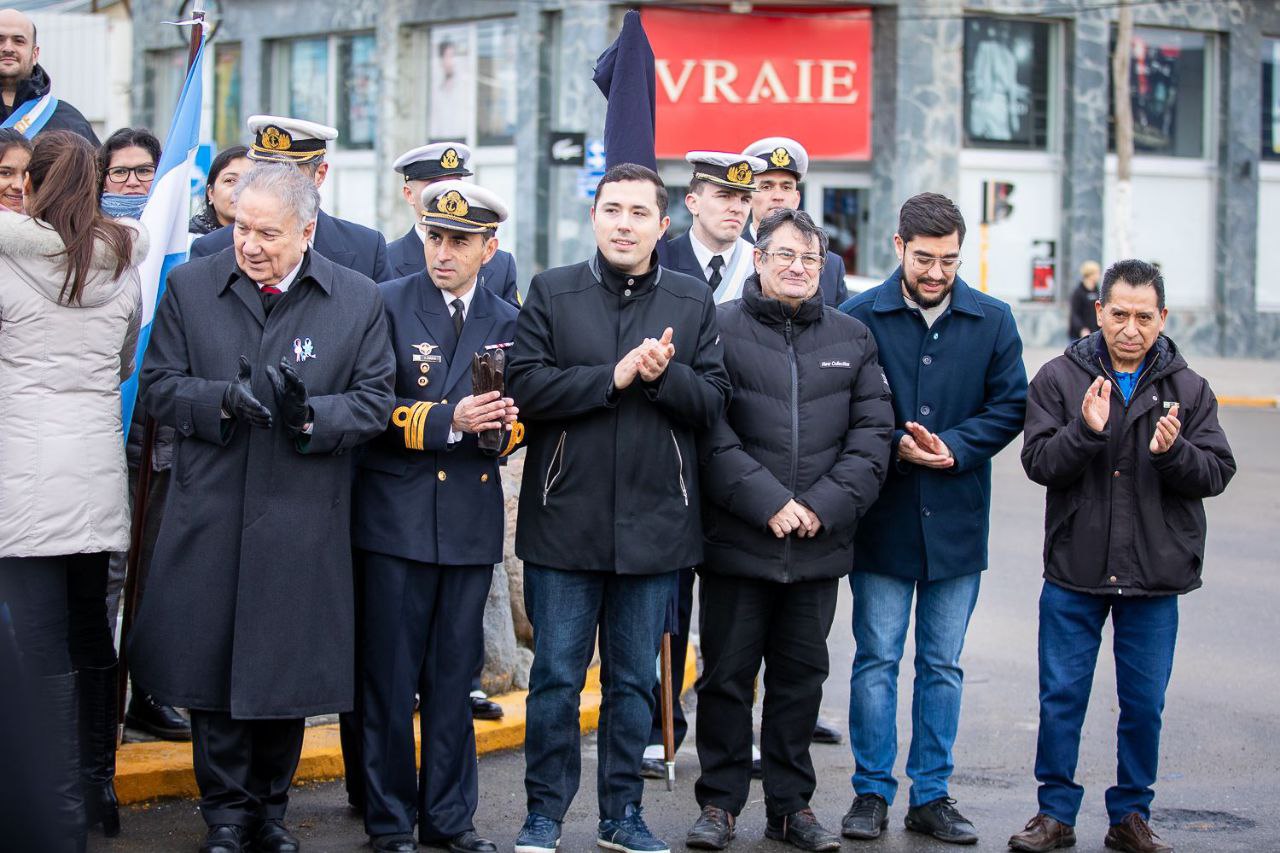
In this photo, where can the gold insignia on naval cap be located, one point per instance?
(449, 159)
(780, 158)
(453, 204)
(739, 174)
(276, 139)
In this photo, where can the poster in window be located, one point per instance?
(309, 79)
(1271, 99)
(1000, 58)
(496, 82)
(358, 96)
(451, 104)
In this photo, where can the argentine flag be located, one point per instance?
(166, 215)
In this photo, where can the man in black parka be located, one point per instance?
(1125, 436)
(620, 362)
(797, 459)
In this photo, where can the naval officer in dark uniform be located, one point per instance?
(303, 143)
(421, 167)
(779, 188)
(428, 529)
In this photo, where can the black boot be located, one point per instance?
(62, 708)
(98, 747)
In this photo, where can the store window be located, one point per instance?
(1007, 69)
(1271, 99)
(228, 129)
(471, 86)
(1168, 90)
(331, 80)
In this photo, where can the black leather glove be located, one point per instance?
(238, 400)
(291, 397)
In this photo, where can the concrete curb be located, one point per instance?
(152, 771)
(1249, 402)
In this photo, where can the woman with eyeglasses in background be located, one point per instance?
(127, 163)
(15, 155)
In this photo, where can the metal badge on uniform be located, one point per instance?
(303, 349)
(423, 354)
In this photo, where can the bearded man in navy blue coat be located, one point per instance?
(953, 359)
(303, 143)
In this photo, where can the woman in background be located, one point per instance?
(127, 163)
(70, 307)
(15, 154)
(219, 206)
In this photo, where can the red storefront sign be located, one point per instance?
(725, 80)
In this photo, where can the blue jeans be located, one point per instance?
(881, 612)
(566, 608)
(1145, 630)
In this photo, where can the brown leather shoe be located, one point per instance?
(1133, 835)
(1043, 833)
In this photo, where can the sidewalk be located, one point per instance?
(156, 770)
(1247, 382)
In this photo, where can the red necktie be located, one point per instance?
(271, 288)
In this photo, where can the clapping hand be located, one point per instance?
(1166, 431)
(1096, 407)
(291, 397)
(921, 447)
(238, 400)
(648, 361)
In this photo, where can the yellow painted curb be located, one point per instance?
(151, 771)
(1249, 402)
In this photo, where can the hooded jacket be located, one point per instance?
(1120, 519)
(62, 465)
(65, 116)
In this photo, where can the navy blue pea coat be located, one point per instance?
(964, 380)
(404, 257)
(416, 496)
(345, 243)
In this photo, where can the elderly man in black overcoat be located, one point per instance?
(271, 362)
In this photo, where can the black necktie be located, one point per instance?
(457, 307)
(715, 263)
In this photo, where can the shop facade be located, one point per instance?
(1005, 106)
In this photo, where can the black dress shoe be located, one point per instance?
(272, 837)
(866, 818)
(394, 843)
(713, 830)
(801, 829)
(824, 732)
(943, 821)
(483, 709)
(163, 721)
(653, 768)
(223, 838)
(470, 842)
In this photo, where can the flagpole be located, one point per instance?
(143, 492)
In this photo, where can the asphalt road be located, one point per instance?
(1221, 749)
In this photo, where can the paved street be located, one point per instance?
(1220, 759)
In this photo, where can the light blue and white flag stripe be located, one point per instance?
(166, 215)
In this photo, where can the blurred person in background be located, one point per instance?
(219, 199)
(15, 155)
(70, 308)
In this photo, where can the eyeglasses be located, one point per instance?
(120, 174)
(786, 257)
(924, 263)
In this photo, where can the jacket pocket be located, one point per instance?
(554, 468)
(684, 489)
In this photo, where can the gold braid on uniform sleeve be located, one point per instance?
(413, 420)
(514, 438)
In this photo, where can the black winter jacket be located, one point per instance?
(1118, 518)
(611, 477)
(811, 419)
(65, 116)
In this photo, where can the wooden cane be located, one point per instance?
(130, 595)
(668, 714)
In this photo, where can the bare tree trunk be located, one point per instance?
(1122, 212)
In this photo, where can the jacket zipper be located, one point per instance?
(795, 436)
(684, 492)
(557, 456)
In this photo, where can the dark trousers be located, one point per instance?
(350, 724)
(423, 632)
(567, 608)
(244, 767)
(679, 651)
(59, 610)
(1145, 632)
(741, 622)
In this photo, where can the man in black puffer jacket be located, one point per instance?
(786, 474)
(1126, 438)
